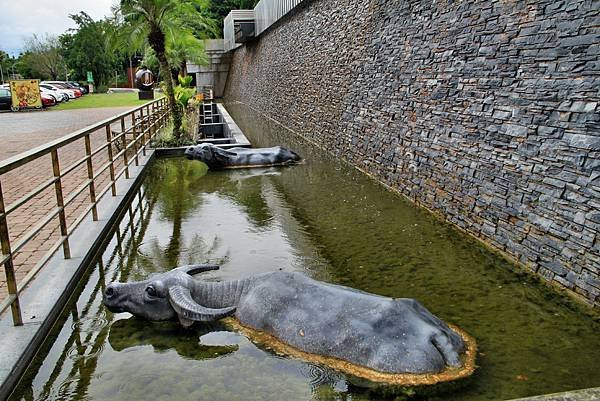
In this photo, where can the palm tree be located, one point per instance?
(161, 23)
(180, 52)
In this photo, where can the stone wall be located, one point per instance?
(484, 111)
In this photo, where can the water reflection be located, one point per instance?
(164, 336)
(184, 185)
(178, 200)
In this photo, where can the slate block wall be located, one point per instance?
(485, 111)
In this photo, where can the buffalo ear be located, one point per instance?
(190, 311)
(195, 269)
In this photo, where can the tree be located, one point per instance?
(5, 65)
(86, 49)
(160, 23)
(182, 51)
(23, 66)
(44, 56)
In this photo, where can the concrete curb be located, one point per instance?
(588, 394)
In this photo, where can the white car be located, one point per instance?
(65, 93)
(59, 97)
(66, 86)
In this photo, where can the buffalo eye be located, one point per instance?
(150, 290)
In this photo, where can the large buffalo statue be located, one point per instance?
(390, 335)
(216, 157)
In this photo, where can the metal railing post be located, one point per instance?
(142, 123)
(110, 160)
(90, 170)
(125, 158)
(60, 203)
(135, 142)
(159, 115)
(149, 123)
(9, 269)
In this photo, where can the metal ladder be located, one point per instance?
(207, 116)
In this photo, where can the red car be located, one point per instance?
(47, 101)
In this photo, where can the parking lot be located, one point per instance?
(23, 131)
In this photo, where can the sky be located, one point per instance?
(20, 19)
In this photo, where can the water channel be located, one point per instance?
(333, 223)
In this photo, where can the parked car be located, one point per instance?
(5, 99)
(76, 85)
(66, 94)
(48, 100)
(57, 96)
(66, 86)
(82, 88)
(63, 85)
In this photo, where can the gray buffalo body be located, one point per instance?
(385, 334)
(216, 157)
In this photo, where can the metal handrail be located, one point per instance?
(152, 117)
(22, 158)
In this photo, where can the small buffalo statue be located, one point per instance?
(216, 157)
(390, 335)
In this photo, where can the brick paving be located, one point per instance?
(20, 132)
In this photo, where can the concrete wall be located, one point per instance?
(215, 72)
(484, 111)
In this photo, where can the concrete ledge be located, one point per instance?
(235, 132)
(170, 152)
(588, 394)
(45, 297)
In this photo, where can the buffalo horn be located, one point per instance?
(189, 310)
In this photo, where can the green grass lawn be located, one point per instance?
(103, 100)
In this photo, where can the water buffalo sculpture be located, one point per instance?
(390, 335)
(216, 157)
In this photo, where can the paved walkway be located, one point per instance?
(20, 132)
(26, 130)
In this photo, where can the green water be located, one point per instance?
(333, 223)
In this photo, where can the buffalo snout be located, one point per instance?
(112, 299)
(110, 291)
(189, 153)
